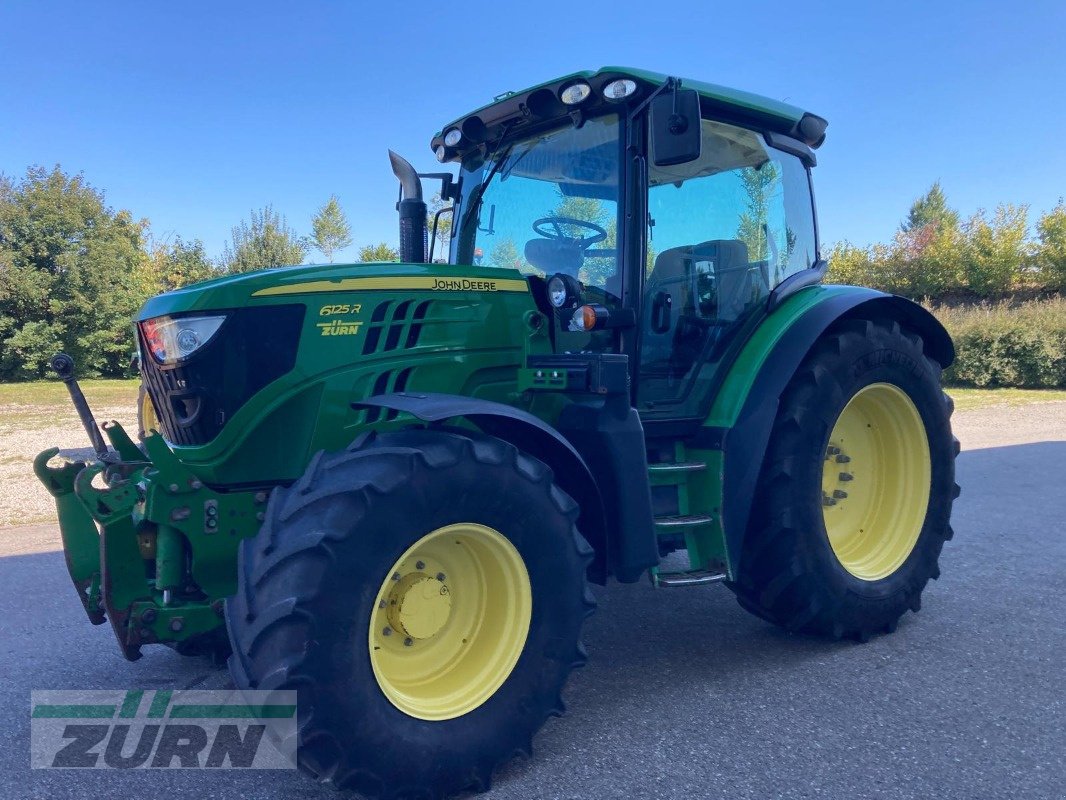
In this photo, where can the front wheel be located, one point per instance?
(854, 500)
(424, 593)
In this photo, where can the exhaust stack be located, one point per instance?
(414, 237)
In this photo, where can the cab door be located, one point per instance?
(722, 232)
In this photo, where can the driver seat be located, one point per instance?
(555, 255)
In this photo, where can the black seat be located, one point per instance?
(555, 255)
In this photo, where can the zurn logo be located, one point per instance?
(162, 729)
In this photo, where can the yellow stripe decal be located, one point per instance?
(436, 283)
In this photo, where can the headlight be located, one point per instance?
(575, 93)
(440, 153)
(171, 339)
(563, 291)
(619, 89)
(452, 137)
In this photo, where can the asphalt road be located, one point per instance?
(685, 694)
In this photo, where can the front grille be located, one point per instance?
(195, 397)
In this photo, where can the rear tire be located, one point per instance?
(314, 584)
(801, 567)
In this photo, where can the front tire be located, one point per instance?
(853, 503)
(424, 593)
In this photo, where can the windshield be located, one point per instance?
(545, 204)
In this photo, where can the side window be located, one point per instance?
(723, 231)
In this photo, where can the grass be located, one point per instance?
(967, 399)
(103, 391)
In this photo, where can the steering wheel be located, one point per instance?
(556, 231)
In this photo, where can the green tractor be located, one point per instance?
(389, 486)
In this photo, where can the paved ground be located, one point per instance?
(688, 696)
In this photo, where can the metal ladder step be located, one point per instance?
(699, 577)
(671, 468)
(683, 521)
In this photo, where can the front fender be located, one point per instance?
(747, 404)
(531, 435)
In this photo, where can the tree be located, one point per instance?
(752, 228)
(372, 253)
(71, 275)
(264, 241)
(995, 250)
(177, 263)
(1051, 253)
(444, 227)
(505, 256)
(931, 208)
(330, 230)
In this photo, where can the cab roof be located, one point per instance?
(540, 103)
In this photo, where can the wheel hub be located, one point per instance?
(419, 605)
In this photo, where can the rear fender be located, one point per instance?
(747, 405)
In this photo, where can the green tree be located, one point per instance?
(931, 208)
(330, 230)
(173, 264)
(758, 185)
(71, 275)
(505, 255)
(1051, 253)
(996, 250)
(444, 227)
(266, 240)
(372, 253)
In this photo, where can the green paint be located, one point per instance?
(232, 711)
(159, 704)
(131, 703)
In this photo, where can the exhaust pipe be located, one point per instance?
(414, 236)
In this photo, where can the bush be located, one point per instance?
(1004, 345)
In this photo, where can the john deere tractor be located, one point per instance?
(388, 486)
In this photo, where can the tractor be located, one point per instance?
(389, 486)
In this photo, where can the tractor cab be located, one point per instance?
(650, 218)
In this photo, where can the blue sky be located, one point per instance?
(193, 113)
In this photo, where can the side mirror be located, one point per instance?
(675, 127)
(661, 308)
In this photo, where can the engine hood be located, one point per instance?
(288, 283)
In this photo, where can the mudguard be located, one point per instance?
(747, 405)
(531, 435)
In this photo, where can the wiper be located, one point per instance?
(479, 192)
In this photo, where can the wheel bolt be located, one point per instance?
(382, 604)
(839, 494)
(828, 501)
(396, 576)
(420, 565)
(846, 476)
(387, 631)
(842, 459)
(408, 642)
(440, 577)
(832, 451)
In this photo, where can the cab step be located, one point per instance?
(669, 468)
(682, 521)
(699, 577)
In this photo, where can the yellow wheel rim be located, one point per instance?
(876, 481)
(450, 621)
(148, 419)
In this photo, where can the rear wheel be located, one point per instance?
(854, 500)
(424, 593)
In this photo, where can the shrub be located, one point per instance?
(1004, 345)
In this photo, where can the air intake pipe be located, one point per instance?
(414, 237)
